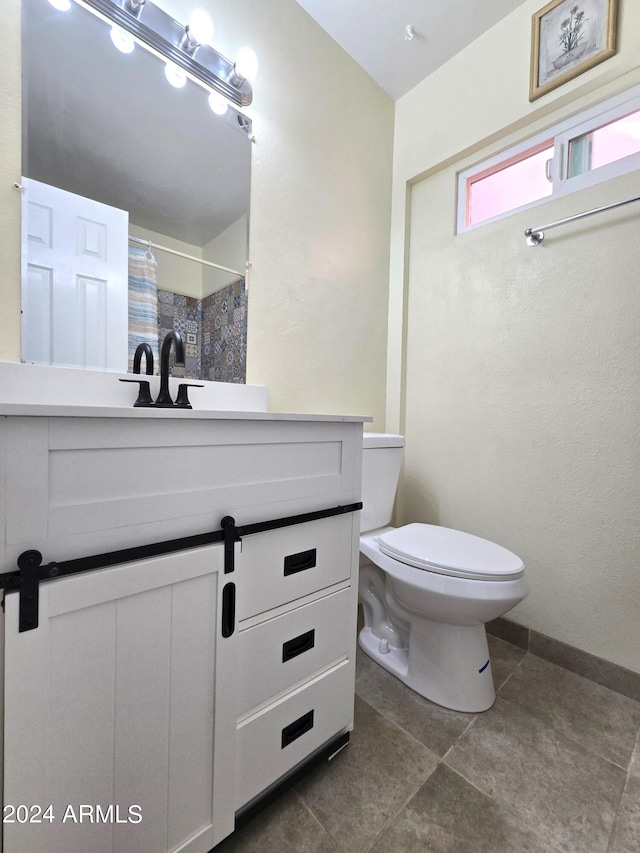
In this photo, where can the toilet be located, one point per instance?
(427, 592)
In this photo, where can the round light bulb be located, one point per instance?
(217, 104)
(122, 40)
(61, 5)
(176, 76)
(246, 63)
(201, 27)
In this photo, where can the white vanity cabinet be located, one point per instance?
(110, 702)
(176, 687)
(295, 647)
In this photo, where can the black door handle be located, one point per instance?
(228, 609)
(299, 562)
(298, 645)
(294, 730)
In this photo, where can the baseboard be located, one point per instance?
(510, 632)
(596, 669)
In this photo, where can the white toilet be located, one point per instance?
(428, 591)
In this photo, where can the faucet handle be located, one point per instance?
(144, 392)
(182, 399)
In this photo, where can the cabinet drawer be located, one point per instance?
(279, 566)
(278, 738)
(281, 652)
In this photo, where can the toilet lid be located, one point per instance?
(450, 552)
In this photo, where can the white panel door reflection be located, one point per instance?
(74, 280)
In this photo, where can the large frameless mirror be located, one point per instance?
(135, 204)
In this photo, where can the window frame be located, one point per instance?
(559, 135)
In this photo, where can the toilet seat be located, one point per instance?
(450, 552)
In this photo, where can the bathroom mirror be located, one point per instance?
(108, 128)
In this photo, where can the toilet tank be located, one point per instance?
(381, 458)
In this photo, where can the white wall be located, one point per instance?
(189, 278)
(229, 249)
(175, 274)
(514, 371)
(320, 208)
(10, 173)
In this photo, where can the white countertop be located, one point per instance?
(75, 411)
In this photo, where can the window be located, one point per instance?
(605, 145)
(601, 143)
(509, 184)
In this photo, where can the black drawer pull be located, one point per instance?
(299, 562)
(228, 609)
(298, 645)
(294, 730)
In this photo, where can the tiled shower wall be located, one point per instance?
(224, 334)
(214, 330)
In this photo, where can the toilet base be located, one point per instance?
(447, 664)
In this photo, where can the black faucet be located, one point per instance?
(164, 397)
(137, 358)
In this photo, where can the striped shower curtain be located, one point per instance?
(143, 303)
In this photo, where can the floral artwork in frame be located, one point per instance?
(567, 38)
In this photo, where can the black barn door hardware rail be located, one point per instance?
(30, 573)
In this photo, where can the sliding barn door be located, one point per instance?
(112, 713)
(74, 280)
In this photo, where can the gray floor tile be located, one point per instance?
(355, 795)
(626, 838)
(284, 827)
(448, 815)
(634, 766)
(435, 727)
(364, 664)
(505, 657)
(601, 720)
(553, 785)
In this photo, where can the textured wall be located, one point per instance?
(477, 98)
(518, 386)
(523, 404)
(320, 208)
(320, 212)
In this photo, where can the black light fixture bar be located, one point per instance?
(153, 26)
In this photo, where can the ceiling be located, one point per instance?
(373, 33)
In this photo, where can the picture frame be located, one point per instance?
(567, 38)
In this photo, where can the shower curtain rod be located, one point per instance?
(169, 251)
(535, 236)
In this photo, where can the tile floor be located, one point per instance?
(553, 766)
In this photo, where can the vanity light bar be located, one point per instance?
(152, 26)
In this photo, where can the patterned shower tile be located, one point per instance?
(214, 330)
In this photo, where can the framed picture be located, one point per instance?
(567, 38)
